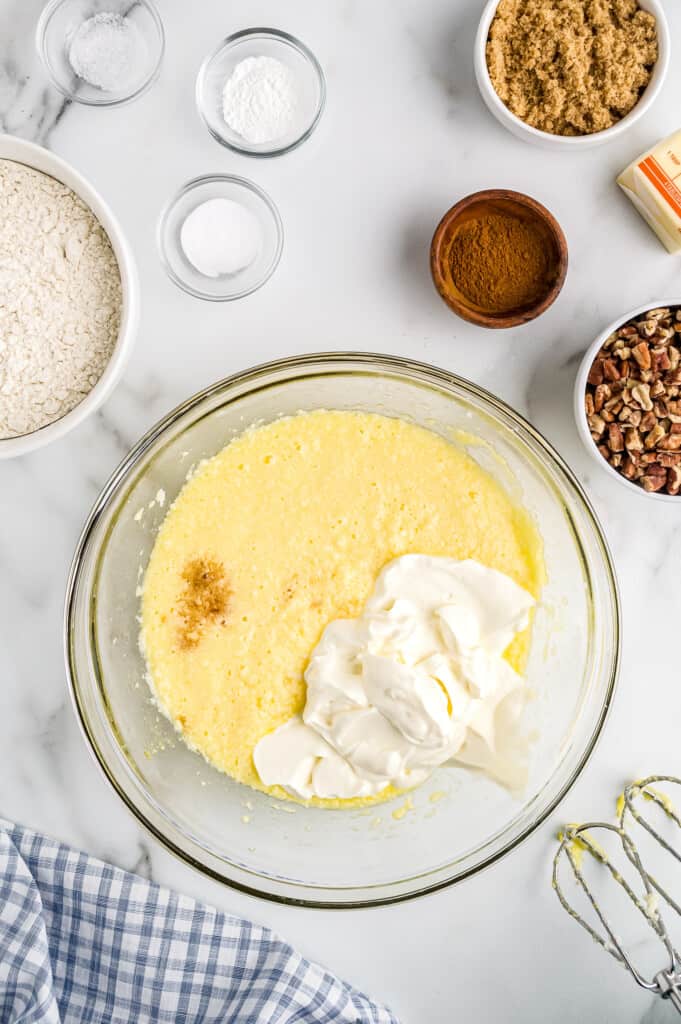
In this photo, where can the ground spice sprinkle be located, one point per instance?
(204, 600)
(501, 262)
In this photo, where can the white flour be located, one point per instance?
(260, 99)
(60, 299)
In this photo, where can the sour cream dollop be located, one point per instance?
(418, 680)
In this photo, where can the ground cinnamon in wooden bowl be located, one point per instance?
(498, 258)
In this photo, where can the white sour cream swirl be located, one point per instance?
(416, 681)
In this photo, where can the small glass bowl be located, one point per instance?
(261, 42)
(227, 286)
(59, 22)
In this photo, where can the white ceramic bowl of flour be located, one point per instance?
(40, 159)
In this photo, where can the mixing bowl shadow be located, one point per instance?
(455, 824)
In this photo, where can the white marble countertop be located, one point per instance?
(404, 135)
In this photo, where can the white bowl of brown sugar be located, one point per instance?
(69, 298)
(570, 75)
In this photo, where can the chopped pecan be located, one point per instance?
(661, 360)
(657, 434)
(629, 468)
(641, 354)
(615, 437)
(652, 482)
(648, 421)
(633, 400)
(641, 395)
(596, 373)
(647, 328)
(632, 440)
(596, 425)
(663, 335)
(671, 443)
(674, 480)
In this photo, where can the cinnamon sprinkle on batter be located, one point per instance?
(204, 600)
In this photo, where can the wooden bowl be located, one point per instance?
(498, 200)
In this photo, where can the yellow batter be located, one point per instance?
(285, 530)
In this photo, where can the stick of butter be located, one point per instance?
(653, 184)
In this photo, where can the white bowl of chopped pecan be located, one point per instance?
(628, 400)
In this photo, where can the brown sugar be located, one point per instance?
(204, 600)
(571, 67)
(500, 262)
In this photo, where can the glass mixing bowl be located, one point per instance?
(460, 821)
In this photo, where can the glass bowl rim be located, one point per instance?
(416, 372)
(280, 36)
(205, 179)
(44, 20)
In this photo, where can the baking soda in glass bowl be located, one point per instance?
(220, 236)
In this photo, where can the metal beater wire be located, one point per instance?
(644, 789)
(578, 840)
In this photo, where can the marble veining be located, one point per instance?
(404, 135)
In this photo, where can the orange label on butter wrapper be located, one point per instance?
(662, 183)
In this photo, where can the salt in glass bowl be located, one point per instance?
(59, 22)
(227, 286)
(456, 823)
(217, 68)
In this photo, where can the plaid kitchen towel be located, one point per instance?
(82, 942)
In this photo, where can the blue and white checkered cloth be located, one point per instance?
(82, 942)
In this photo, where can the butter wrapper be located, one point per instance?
(653, 184)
